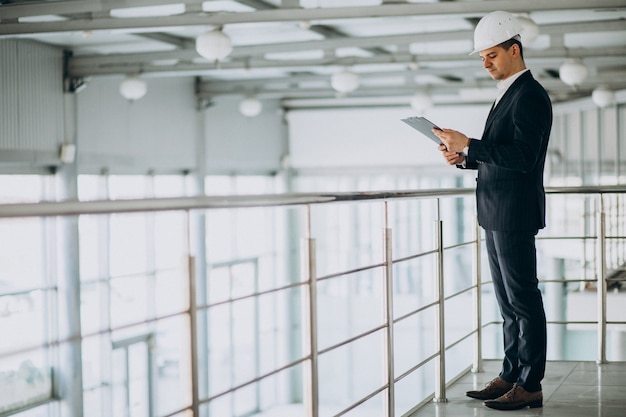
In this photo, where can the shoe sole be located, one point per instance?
(504, 406)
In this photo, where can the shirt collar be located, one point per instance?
(504, 85)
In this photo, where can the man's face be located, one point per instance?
(499, 61)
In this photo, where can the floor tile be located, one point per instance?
(570, 389)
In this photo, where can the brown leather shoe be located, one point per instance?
(497, 387)
(517, 398)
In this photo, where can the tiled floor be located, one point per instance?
(570, 389)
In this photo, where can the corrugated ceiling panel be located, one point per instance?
(9, 95)
(31, 112)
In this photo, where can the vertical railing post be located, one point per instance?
(193, 323)
(477, 366)
(440, 371)
(601, 281)
(311, 375)
(389, 316)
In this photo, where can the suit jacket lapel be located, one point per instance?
(504, 99)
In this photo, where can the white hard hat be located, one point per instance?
(495, 28)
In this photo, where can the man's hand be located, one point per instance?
(454, 141)
(451, 158)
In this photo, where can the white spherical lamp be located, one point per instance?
(133, 88)
(250, 107)
(603, 96)
(420, 102)
(345, 81)
(530, 30)
(573, 72)
(214, 45)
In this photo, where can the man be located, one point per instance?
(511, 206)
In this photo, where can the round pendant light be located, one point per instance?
(345, 81)
(573, 72)
(530, 30)
(250, 107)
(603, 96)
(420, 102)
(133, 88)
(214, 45)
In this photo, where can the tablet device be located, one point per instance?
(424, 126)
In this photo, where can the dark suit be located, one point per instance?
(510, 200)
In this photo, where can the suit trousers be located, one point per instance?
(513, 264)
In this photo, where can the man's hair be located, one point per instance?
(507, 44)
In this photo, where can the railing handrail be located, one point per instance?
(73, 207)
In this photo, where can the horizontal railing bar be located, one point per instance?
(255, 294)
(414, 312)
(178, 412)
(450, 346)
(257, 379)
(415, 367)
(151, 272)
(566, 237)
(70, 208)
(418, 255)
(352, 339)
(28, 291)
(459, 292)
(82, 337)
(361, 401)
(562, 322)
(458, 245)
(249, 260)
(350, 271)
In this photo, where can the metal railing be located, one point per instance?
(605, 239)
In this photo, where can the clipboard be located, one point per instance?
(424, 126)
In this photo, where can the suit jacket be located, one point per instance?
(510, 158)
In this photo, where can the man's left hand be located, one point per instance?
(453, 140)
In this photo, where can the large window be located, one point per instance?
(27, 295)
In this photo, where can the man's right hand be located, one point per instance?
(452, 158)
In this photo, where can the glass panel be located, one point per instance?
(138, 384)
(170, 239)
(608, 145)
(349, 305)
(413, 226)
(414, 388)
(414, 340)
(128, 244)
(350, 372)
(22, 256)
(24, 380)
(93, 232)
(119, 382)
(171, 350)
(129, 300)
(374, 407)
(171, 292)
(458, 269)
(616, 345)
(459, 321)
(347, 236)
(281, 394)
(572, 150)
(413, 284)
(459, 358)
(590, 147)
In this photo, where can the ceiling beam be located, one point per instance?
(82, 64)
(554, 55)
(284, 15)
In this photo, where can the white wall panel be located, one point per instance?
(155, 133)
(31, 101)
(244, 145)
(369, 137)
